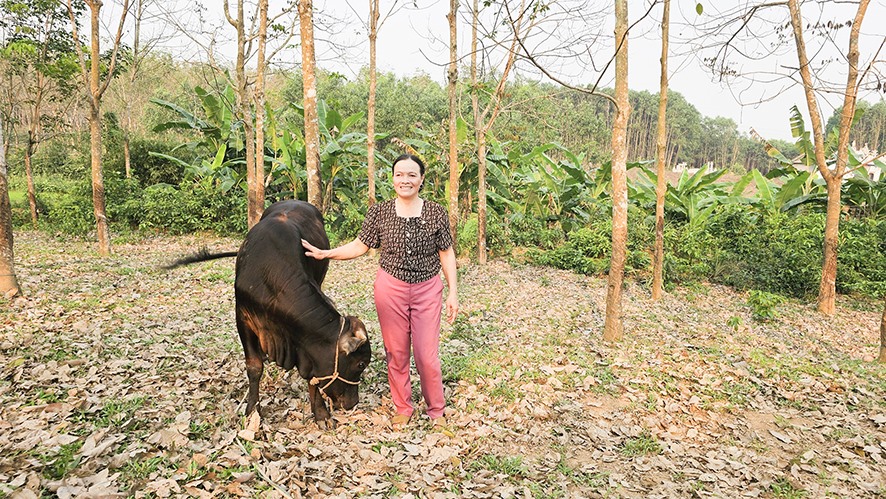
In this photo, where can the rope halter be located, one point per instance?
(335, 375)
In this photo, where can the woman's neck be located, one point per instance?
(409, 207)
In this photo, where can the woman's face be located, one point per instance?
(407, 178)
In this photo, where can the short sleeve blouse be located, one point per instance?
(410, 246)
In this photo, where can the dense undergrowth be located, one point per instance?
(735, 245)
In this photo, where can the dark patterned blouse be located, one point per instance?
(410, 246)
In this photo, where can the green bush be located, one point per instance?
(189, 208)
(534, 233)
(496, 241)
(764, 305)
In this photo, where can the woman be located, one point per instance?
(416, 244)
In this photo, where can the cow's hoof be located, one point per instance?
(326, 424)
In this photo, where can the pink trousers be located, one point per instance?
(409, 316)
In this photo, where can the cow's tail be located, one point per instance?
(201, 256)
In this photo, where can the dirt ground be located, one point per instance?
(123, 379)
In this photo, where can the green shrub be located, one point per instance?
(534, 233)
(496, 241)
(764, 305)
(189, 208)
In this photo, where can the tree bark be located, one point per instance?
(312, 127)
(29, 174)
(661, 156)
(95, 138)
(834, 178)
(480, 137)
(96, 88)
(452, 76)
(9, 286)
(257, 206)
(613, 329)
(370, 106)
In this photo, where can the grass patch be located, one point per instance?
(513, 467)
(784, 489)
(641, 445)
(62, 462)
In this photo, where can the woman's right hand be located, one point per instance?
(313, 251)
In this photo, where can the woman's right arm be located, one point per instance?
(348, 251)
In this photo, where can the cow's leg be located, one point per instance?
(254, 360)
(318, 407)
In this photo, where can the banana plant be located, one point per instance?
(693, 198)
(218, 139)
(862, 194)
(342, 155)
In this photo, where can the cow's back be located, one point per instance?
(277, 286)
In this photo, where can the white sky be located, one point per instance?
(416, 41)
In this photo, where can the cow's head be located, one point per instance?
(354, 354)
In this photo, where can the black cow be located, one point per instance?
(283, 316)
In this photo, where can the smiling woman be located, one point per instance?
(415, 242)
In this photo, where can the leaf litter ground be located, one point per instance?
(121, 379)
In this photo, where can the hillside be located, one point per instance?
(120, 379)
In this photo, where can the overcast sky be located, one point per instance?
(413, 41)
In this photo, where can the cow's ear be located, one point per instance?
(351, 340)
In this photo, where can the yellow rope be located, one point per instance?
(334, 376)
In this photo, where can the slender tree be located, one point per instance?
(370, 105)
(312, 127)
(613, 329)
(9, 286)
(96, 87)
(833, 177)
(257, 189)
(243, 106)
(484, 119)
(661, 145)
(452, 81)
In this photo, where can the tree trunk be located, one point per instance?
(661, 156)
(370, 107)
(312, 127)
(613, 328)
(29, 173)
(257, 206)
(479, 133)
(95, 140)
(481, 197)
(8, 282)
(453, 119)
(827, 288)
(127, 161)
(882, 358)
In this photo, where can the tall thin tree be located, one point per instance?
(613, 328)
(452, 82)
(661, 145)
(484, 119)
(244, 108)
(312, 126)
(257, 199)
(833, 177)
(96, 88)
(9, 286)
(370, 105)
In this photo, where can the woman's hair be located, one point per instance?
(402, 157)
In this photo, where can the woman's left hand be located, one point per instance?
(451, 307)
